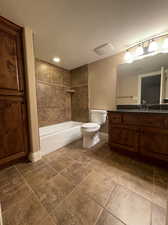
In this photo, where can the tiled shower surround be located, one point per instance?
(79, 83)
(55, 103)
(53, 100)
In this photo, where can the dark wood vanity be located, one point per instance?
(142, 133)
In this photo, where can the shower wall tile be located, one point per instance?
(66, 78)
(80, 110)
(49, 73)
(79, 76)
(79, 83)
(53, 101)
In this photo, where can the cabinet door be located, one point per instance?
(13, 139)
(11, 65)
(124, 137)
(154, 142)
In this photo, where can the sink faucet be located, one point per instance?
(144, 105)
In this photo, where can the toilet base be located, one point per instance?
(90, 140)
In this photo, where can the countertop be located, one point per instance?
(140, 111)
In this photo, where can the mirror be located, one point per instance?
(144, 81)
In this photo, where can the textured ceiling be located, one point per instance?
(71, 29)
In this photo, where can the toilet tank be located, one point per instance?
(98, 116)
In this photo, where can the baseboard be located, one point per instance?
(104, 136)
(35, 156)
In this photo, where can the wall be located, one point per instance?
(102, 79)
(127, 86)
(53, 101)
(79, 83)
(102, 82)
(31, 95)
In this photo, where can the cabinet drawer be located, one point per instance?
(115, 118)
(131, 119)
(153, 121)
(144, 120)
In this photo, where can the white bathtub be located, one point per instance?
(56, 136)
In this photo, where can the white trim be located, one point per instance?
(167, 212)
(140, 81)
(1, 222)
(35, 156)
(162, 88)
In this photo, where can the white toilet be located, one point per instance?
(90, 131)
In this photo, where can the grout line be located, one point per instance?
(30, 188)
(152, 197)
(99, 215)
(53, 84)
(77, 186)
(104, 207)
(150, 200)
(35, 195)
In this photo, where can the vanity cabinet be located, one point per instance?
(154, 143)
(144, 134)
(13, 105)
(124, 136)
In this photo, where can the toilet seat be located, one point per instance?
(90, 127)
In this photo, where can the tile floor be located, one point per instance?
(75, 186)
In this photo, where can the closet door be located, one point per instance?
(13, 113)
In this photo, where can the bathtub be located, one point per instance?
(56, 136)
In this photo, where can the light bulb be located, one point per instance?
(128, 57)
(139, 50)
(153, 46)
(165, 45)
(56, 59)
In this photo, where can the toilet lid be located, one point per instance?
(90, 125)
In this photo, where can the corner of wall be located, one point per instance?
(31, 90)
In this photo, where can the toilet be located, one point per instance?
(90, 131)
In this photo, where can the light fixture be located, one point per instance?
(128, 57)
(153, 46)
(56, 59)
(139, 50)
(165, 45)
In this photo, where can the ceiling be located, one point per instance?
(71, 29)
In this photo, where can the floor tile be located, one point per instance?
(34, 179)
(9, 199)
(76, 172)
(98, 186)
(10, 181)
(107, 218)
(48, 221)
(52, 192)
(79, 186)
(77, 209)
(160, 192)
(137, 184)
(26, 212)
(129, 207)
(158, 215)
(55, 154)
(26, 167)
(61, 162)
(102, 151)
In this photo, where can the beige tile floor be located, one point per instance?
(75, 186)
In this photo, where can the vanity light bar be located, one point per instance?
(151, 49)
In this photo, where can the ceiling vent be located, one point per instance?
(104, 49)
